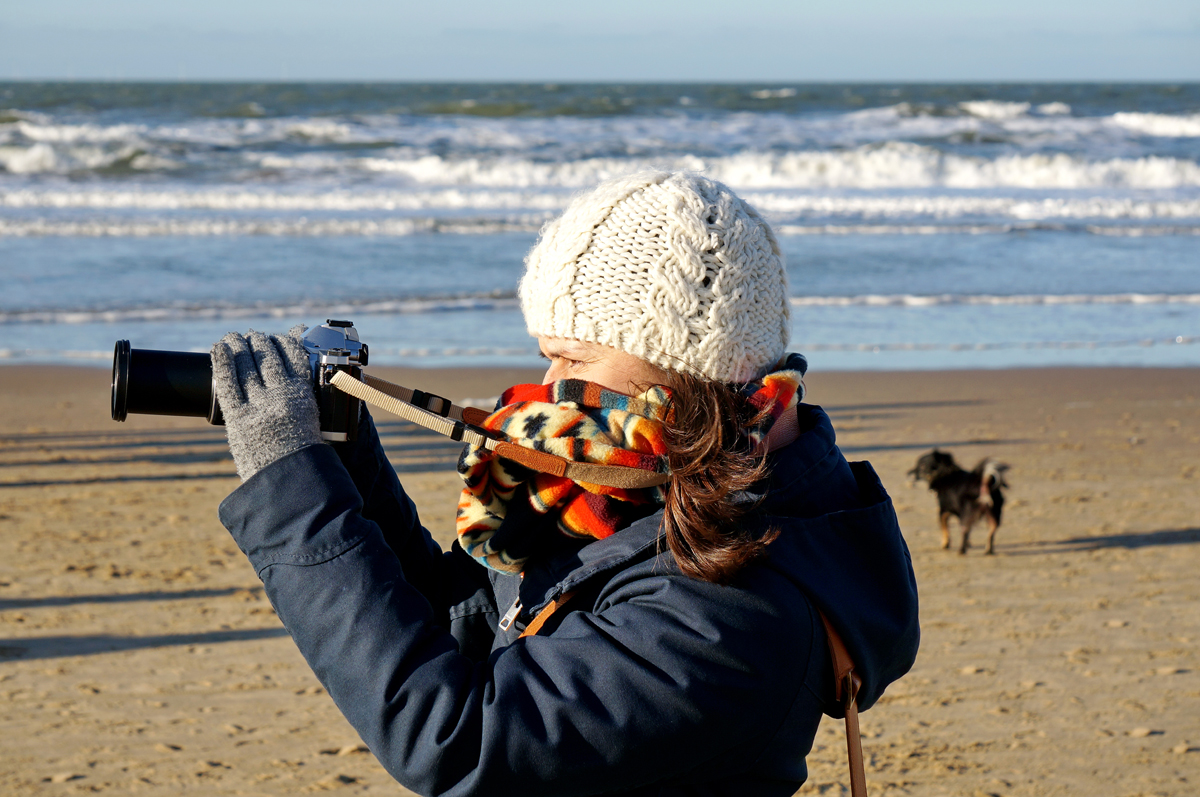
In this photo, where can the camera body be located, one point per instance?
(334, 346)
(149, 382)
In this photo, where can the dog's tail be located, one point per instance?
(991, 477)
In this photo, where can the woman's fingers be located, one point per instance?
(269, 360)
(256, 363)
(225, 373)
(245, 362)
(294, 353)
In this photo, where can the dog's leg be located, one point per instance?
(993, 524)
(966, 524)
(944, 524)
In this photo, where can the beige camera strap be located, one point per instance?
(440, 415)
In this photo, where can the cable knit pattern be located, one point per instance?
(673, 268)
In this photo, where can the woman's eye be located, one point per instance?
(566, 362)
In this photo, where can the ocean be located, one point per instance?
(924, 226)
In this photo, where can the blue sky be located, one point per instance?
(624, 40)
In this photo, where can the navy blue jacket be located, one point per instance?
(648, 682)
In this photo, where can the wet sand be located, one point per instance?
(138, 654)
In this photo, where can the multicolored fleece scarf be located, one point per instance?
(507, 511)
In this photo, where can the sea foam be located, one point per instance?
(179, 312)
(122, 228)
(506, 301)
(995, 109)
(781, 204)
(1157, 124)
(890, 165)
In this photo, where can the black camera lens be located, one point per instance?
(149, 382)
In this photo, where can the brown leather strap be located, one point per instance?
(474, 415)
(587, 472)
(530, 458)
(846, 684)
(550, 608)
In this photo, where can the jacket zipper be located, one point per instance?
(507, 620)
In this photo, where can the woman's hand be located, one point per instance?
(265, 389)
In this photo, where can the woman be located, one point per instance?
(679, 648)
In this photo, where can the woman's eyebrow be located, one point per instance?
(567, 350)
(575, 350)
(559, 350)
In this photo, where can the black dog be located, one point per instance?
(968, 495)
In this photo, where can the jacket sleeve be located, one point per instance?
(385, 503)
(455, 586)
(638, 691)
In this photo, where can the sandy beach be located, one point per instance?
(138, 654)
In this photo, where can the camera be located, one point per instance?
(149, 382)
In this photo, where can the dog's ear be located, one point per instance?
(924, 467)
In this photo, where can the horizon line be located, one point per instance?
(603, 81)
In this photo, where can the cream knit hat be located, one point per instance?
(672, 268)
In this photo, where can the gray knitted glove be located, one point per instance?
(264, 386)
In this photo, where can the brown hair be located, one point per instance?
(710, 467)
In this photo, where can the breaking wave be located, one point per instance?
(263, 200)
(122, 228)
(151, 228)
(385, 353)
(1159, 124)
(877, 147)
(995, 109)
(777, 204)
(1179, 340)
(406, 352)
(42, 158)
(889, 165)
(951, 207)
(174, 312)
(507, 301)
